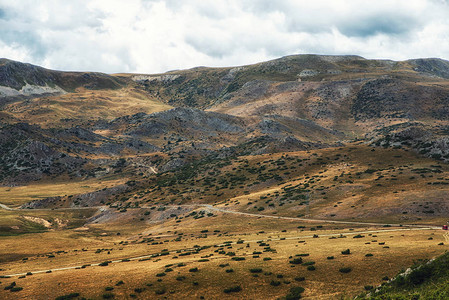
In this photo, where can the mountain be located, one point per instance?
(90, 125)
(309, 175)
(310, 100)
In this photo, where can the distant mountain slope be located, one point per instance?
(292, 103)
(17, 75)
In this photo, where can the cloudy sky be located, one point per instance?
(150, 36)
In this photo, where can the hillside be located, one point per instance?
(287, 162)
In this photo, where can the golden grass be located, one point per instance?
(326, 282)
(85, 105)
(16, 196)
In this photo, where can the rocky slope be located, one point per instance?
(84, 124)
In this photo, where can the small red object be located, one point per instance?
(445, 227)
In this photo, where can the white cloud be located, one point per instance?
(150, 36)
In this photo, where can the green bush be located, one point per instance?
(346, 252)
(236, 258)
(233, 289)
(296, 261)
(295, 293)
(193, 270)
(68, 296)
(345, 270)
(160, 291)
(255, 270)
(311, 268)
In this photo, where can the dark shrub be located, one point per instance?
(233, 289)
(160, 291)
(68, 296)
(295, 293)
(275, 283)
(255, 270)
(296, 261)
(345, 270)
(346, 252)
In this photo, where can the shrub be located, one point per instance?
(330, 257)
(68, 296)
(120, 282)
(300, 278)
(237, 258)
(295, 293)
(139, 290)
(233, 289)
(346, 252)
(108, 296)
(368, 287)
(296, 261)
(311, 268)
(193, 270)
(267, 258)
(104, 264)
(275, 283)
(229, 270)
(368, 254)
(160, 291)
(255, 270)
(16, 289)
(12, 284)
(160, 274)
(345, 270)
(180, 278)
(108, 288)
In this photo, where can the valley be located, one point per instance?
(310, 176)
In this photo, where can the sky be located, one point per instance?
(152, 36)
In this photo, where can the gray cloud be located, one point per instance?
(150, 36)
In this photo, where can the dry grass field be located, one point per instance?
(154, 241)
(169, 256)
